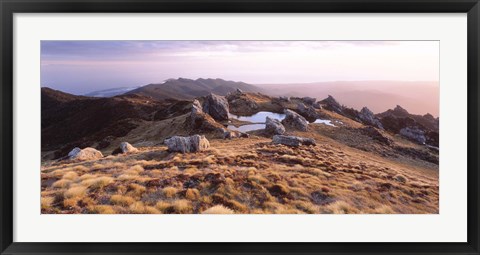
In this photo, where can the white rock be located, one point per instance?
(295, 120)
(74, 152)
(84, 154)
(127, 148)
(184, 144)
(216, 106)
(274, 126)
(294, 141)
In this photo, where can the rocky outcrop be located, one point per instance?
(317, 105)
(293, 141)
(184, 144)
(376, 135)
(432, 138)
(368, 118)
(196, 107)
(332, 104)
(243, 104)
(295, 120)
(216, 106)
(309, 100)
(422, 129)
(400, 111)
(84, 154)
(308, 112)
(284, 98)
(200, 121)
(414, 133)
(274, 126)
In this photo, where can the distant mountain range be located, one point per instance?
(417, 97)
(110, 92)
(356, 94)
(188, 89)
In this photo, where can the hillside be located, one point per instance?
(182, 88)
(356, 162)
(79, 121)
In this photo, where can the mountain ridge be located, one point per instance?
(183, 88)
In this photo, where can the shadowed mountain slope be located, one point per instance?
(188, 89)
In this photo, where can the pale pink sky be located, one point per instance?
(82, 66)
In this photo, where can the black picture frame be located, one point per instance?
(9, 7)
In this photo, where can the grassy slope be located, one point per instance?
(244, 176)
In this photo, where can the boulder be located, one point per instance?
(367, 117)
(414, 133)
(184, 144)
(332, 104)
(309, 100)
(199, 120)
(227, 134)
(293, 141)
(84, 154)
(295, 120)
(127, 148)
(317, 105)
(274, 126)
(196, 107)
(74, 152)
(376, 135)
(216, 106)
(244, 135)
(284, 98)
(308, 112)
(244, 104)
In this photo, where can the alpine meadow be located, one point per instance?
(239, 127)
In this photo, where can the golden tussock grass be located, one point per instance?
(169, 192)
(122, 200)
(162, 206)
(258, 179)
(86, 176)
(98, 182)
(77, 191)
(182, 206)
(46, 202)
(70, 176)
(241, 176)
(192, 194)
(140, 208)
(339, 207)
(101, 209)
(136, 168)
(136, 189)
(218, 209)
(80, 168)
(62, 183)
(70, 202)
(384, 209)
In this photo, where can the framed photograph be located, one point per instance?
(258, 127)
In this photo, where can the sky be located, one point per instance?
(80, 67)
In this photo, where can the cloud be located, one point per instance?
(128, 50)
(88, 65)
